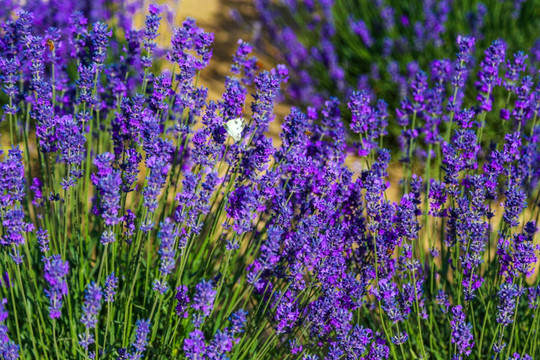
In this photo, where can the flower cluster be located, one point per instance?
(149, 218)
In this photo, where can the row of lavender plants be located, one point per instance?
(142, 220)
(334, 47)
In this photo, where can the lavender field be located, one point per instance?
(391, 213)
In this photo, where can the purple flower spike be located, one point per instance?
(194, 345)
(141, 339)
(461, 332)
(167, 235)
(182, 299)
(466, 47)
(92, 305)
(55, 272)
(8, 349)
(203, 300)
(489, 73)
(100, 41)
(111, 284)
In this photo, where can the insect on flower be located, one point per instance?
(235, 127)
(50, 44)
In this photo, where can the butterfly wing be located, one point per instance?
(234, 128)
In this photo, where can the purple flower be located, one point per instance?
(244, 65)
(407, 223)
(359, 28)
(150, 33)
(3, 311)
(267, 89)
(182, 299)
(100, 41)
(516, 356)
(159, 168)
(160, 286)
(126, 125)
(533, 297)
(514, 205)
(130, 167)
(238, 321)
(161, 92)
(8, 349)
(286, 311)
(34, 51)
(524, 256)
(388, 294)
(476, 19)
(361, 111)
(92, 305)
(437, 195)
(461, 332)
(37, 189)
(109, 187)
(419, 87)
(9, 69)
(488, 76)
(255, 158)
(14, 227)
(187, 38)
(12, 178)
(129, 225)
(461, 70)
(293, 131)
(55, 272)
(240, 57)
(167, 236)
(466, 47)
(71, 141)
(296, 347)
(513, 69)
(442, 299)
(508, 298)
(108, 183)
(220, 345)
(194, 345)
(400, 338)
(141, 338)
(107, 237)
(234, 97)
(85, 340)
(465, 118)
(357, 341)
(242, 203)
(111, 282)
(204, 297)
(378, 351)
(43, 240)
(86, 83)
(520, 112)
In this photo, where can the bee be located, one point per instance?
(308, 133)
(50, 44)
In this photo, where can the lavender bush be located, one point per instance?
(334, 47)
(141, 219)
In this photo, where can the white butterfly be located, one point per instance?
(234, 128)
